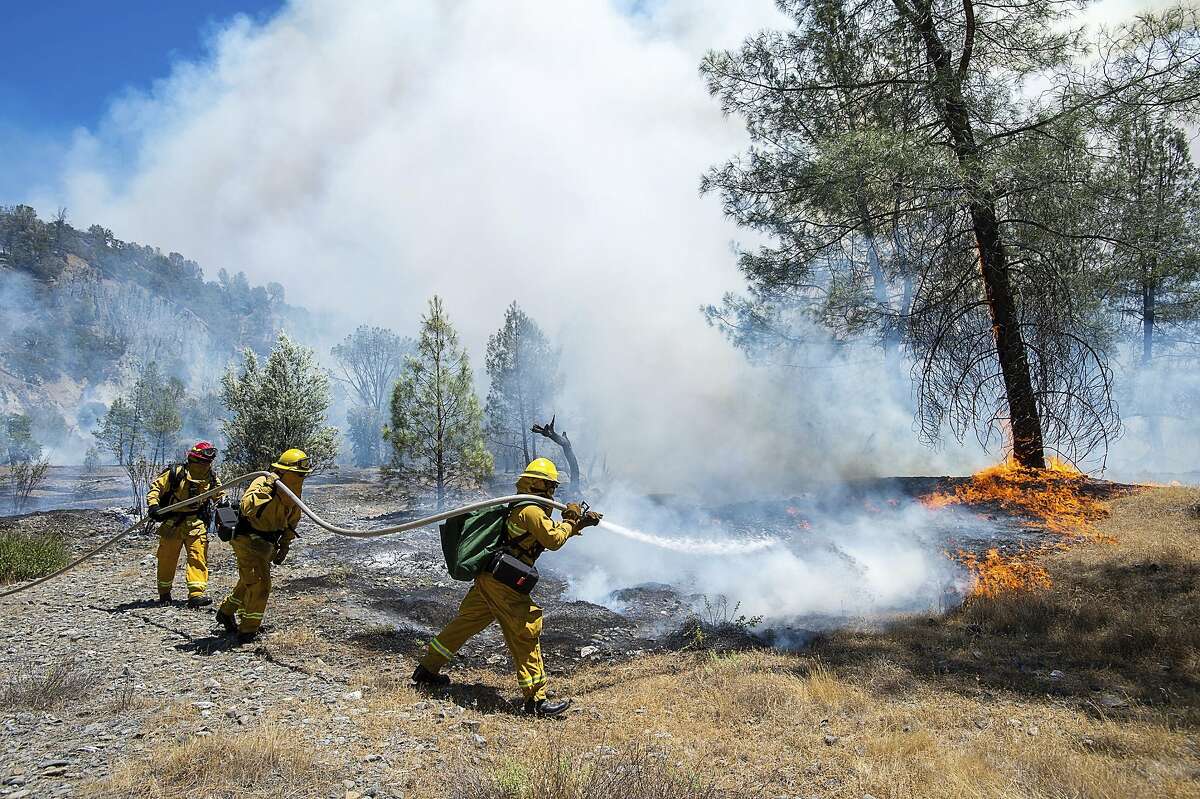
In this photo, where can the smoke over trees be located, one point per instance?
(88, 308)
(909, 182)
(22, 467)
(523, 369)
(436, 423)
(370, 361)
(141, 428)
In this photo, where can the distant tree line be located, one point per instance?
(86, 305)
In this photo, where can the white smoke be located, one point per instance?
(368, 155)
(852, 562)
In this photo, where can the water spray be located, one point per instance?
(676, 545)
(692, 546)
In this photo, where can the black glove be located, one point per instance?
(281, 554)
(590, 519)
(223, 502)
(153, 512)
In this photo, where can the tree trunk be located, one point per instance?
(1149, 300)
(1028, 447)
(947, 78)
(569, 451)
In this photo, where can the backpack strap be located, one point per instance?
(174, 480)
(517, 542)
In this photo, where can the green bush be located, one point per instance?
(24, 557)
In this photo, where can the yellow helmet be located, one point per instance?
(542, 469)
(294, 460)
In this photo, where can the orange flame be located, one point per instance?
(996, 574)
(1055, 498)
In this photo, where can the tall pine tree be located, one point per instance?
(437, 424)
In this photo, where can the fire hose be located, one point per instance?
(307, 511)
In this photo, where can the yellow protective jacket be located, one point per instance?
(177, 483)
(531, 532)
(268, 513)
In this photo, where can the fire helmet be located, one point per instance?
(202, 452)
(294, 460)
(541, 469)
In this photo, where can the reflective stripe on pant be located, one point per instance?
(249, 597)
(172, 539)
(520, 621)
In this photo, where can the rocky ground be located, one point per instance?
(341, 611)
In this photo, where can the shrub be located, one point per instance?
(24, 557)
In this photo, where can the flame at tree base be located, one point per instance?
(1059, 499)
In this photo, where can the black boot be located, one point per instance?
(247, 638)
(545, 709)
(195, 602)
(423, 676)
(228, 622)
(164, 599)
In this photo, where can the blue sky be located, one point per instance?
(62, 63)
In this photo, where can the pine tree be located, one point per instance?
(437, 425)
(277, 407)
(523, 367)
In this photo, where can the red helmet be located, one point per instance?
(203, 451)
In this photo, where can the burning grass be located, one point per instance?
(1059, 499)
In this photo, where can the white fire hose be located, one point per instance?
(307, 511)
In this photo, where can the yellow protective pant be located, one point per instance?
(249, 597)
(520, 621)
(171, 539)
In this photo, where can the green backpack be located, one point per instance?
(471, 540)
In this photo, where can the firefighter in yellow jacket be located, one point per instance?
(530, 532)
(263, 536)
(186, 529)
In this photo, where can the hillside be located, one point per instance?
(82, 310)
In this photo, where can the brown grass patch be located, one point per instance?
(639, 772)
(1087, 689)
(292, 641)
(30, 687)
(261, 762)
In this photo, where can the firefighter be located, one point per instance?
(263, 536)
(530, 532)
(187, 528)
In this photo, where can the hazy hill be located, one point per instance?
(81, 311)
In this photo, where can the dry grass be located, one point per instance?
(933, 707)
(65, 680)
(636, 773)
(294, 641)
(264, 762)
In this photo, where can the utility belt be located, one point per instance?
(202, 511)
(244, 528)
(513, 572)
